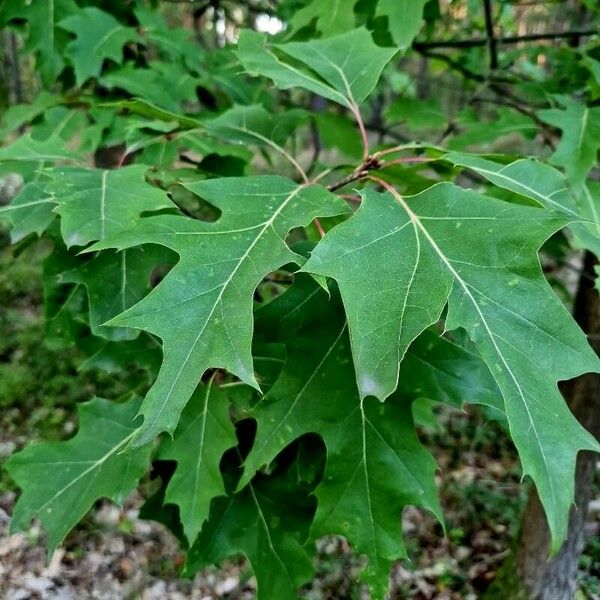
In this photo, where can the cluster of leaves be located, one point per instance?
(287, 322)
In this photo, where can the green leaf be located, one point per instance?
(338, 131)
(344, 68)
(113, 357)
(44, 38)
(24, 148)
(68, 124)
(588, 204)
(203, 435)
(22, 114)
(443, 371)
(417, 113)
(375, 463)
(95, 204)
(405, 18)
(526, 177)
(255, 125)
(98, 36)
(546, 186)
(577, 150)
(487, 251)
(332, 16)
(202, 310)
(60, 481)
(65, 306)
(31, 211)
(505, 123)
(383, 318)
(267, 522)
(140, 107)
(150, 84)
(174, 42)
(115, 282)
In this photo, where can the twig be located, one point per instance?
(373, 163)
(369, 163)
(351, 198)
(319, 227)
(489, 29)
(510, 39)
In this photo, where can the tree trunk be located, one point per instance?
(528, 574)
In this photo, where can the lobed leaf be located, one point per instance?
(344, 68)
(60, 481)
(98, 36)
(203, 435)
(94, 204)
(577, 150)
(405, 18)
(483, 253)
(202, 310)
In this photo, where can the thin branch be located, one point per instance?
(506, 40)
(372, 163)
(489, 29)
(319, 227)
(368, 164)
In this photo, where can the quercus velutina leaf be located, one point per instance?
(94, 204)
(24, 148)
(385, 277)
(98, 36)
(150, 83)
(43, 36)
(474, 131)
(255, 125)
(438, 369)
(332, 16)
(486, 250)
(140, 107)
(203, 435)
(202, 310)
(527, 177)
(546, 186)
(577, 150)
(344, 68)
(65, 306)
(173, 42)
(114, 357)
(60, 481)
(588, 202)
(375, 464)
(405, 18)
(115, 282)
(31, 211)
(22, 114)
(268, 523)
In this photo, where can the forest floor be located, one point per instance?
(114, 555)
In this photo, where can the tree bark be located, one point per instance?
(528, 574)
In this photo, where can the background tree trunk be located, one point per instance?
(528, 574)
